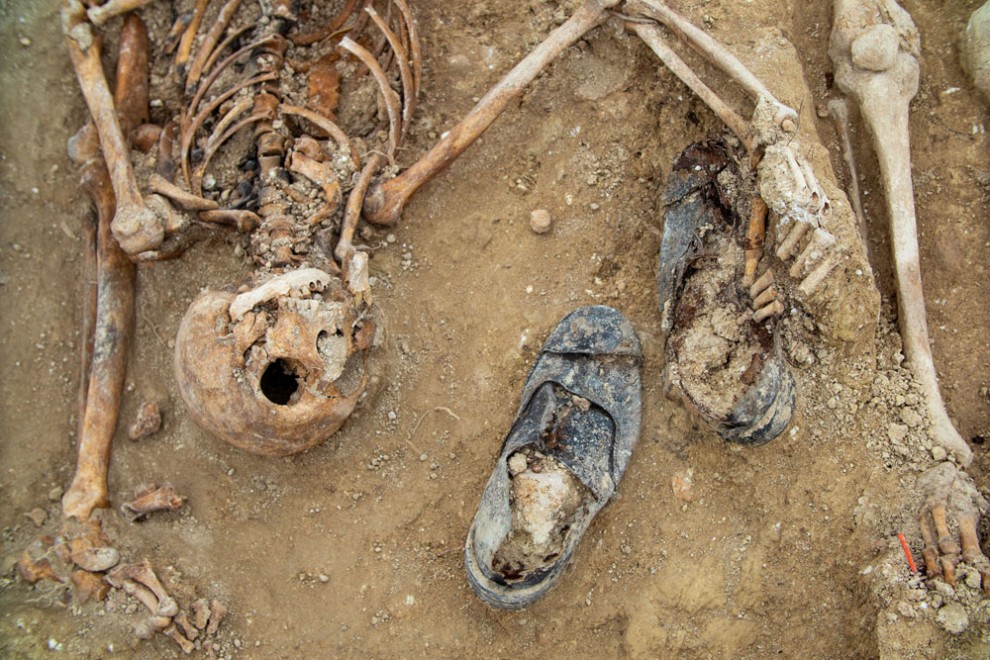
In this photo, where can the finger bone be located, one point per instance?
(162, 498)
(773, 309)
(761, 284)
(768, 296)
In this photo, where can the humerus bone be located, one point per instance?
(135, 226)
(883, 90)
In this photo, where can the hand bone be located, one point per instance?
(874, 48)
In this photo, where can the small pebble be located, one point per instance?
(910, 417)
(953, 618)
(38, 516)
(939, 453)
(539, 221)
(324, 578)
(25, 41)
(55, 494)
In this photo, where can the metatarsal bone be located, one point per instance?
(761, 284)
(816, 248)
(787, 247)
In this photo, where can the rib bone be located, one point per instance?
(883, 97)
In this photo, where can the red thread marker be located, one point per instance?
(907, 552)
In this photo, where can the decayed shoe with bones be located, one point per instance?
(271, 121)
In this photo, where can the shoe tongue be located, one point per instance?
(575, 432)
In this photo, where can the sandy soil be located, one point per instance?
(356, 546)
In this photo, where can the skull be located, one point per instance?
(277, 369)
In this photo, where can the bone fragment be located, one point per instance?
(188, 36)
(176, 636)
(33, 564)
(131, 91)
(101, 14)
(838, 109)
(135, 226)
(217, 612)
(883, 98)
(147, 628)
(185, 200)
(95, 559)
(653, 38)
(142, 574)
(310, 279)
(384, 203)
(242, 220)
(151, 499)
(148, 422)
(89, 586)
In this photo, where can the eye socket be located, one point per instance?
(279, 382)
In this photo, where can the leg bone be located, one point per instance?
(883, 97)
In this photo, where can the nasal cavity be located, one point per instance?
(279, 383)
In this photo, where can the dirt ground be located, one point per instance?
(356, 547)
